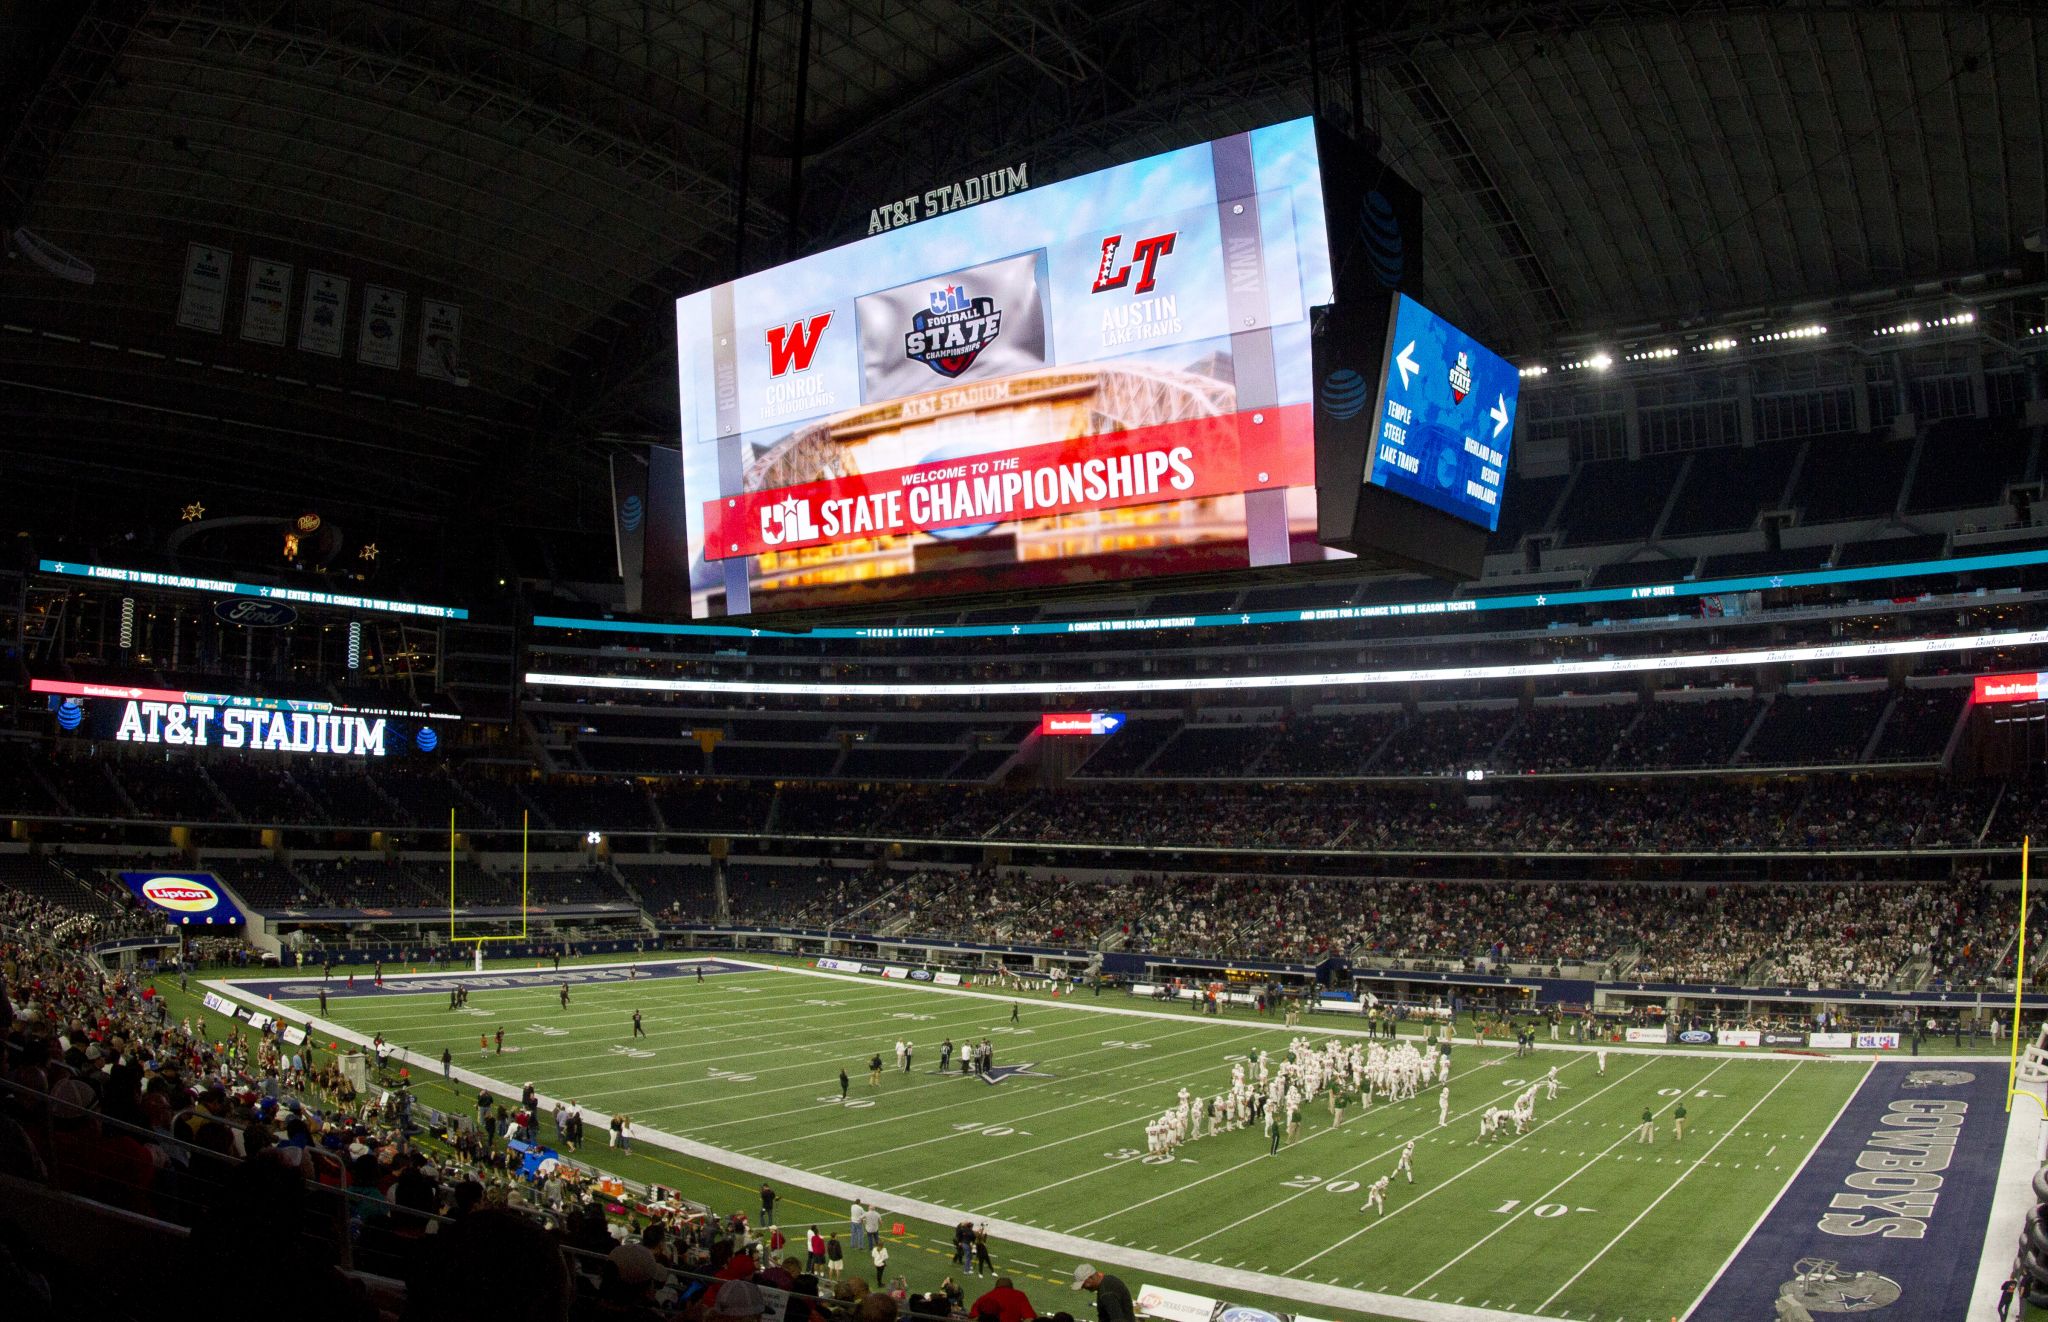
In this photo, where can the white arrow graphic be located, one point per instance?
(1405, 360)
(1499, 414)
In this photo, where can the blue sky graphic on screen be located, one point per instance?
(1446, 417)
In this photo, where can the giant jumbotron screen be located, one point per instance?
(1099, 380)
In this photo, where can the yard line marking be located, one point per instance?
(905, 1115)
(1797, 1171)
(1545, 1196)
(1512, 1143)
(1669, 1190)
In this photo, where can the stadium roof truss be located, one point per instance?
(563, 168)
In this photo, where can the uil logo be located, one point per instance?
(789, 520)
(1461, 377)
(1939, 1078)
(951, 334)
(1820, 1285)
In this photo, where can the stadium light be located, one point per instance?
(1719, 344)
(593, 838)
(1535, 369)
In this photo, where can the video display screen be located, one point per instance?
(1446, 417)
(1098, 380)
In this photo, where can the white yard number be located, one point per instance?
(546, 1031)
(1306, 1182)
(989, 1131)
(824, 1002)
(632, 1053)
(919, 1018)
(1544, 1210)
(730, 1076)
(1118, 1044)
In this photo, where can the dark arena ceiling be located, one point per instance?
(562, 169)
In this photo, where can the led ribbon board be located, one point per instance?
(1335, 679)
(1102, 379)
(186, 719)
(1332, 614)
(228, 588)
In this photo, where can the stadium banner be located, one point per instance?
(383, 332)
(219, 1004)
(188, 899)
(1739, 1037)
(176, 719)
(840, 965)
(440, 340)
(294, 1035)
(895, 971)
(1105, 378)
(1696, 1037)
(1831, 1041)
(203, 301)
(266, 301)
(1657, 1035)
(324, 315)
(2009, 688)
(1784, 1039)
(1877, 1041)
(946, 979)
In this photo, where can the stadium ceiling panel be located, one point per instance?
(562, 168)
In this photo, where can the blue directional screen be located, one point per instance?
(1446, 418)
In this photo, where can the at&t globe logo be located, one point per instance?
(631, 512)
(181, 894)
(69, 714)
(1344, 393)
(426, 740)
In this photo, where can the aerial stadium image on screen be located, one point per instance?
(837, 661)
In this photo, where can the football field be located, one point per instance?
(1575, 1219)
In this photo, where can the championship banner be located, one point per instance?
(203, 301)
(1739, 1037)
(326, 312)
(1172, 461)
(383, 326)
(440, 340)
(266, 301)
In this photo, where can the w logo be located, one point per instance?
(790, 347)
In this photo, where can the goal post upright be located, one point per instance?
(2019, 979)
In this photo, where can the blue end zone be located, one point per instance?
(308, 987)
(1891, 1208)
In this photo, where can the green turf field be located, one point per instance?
(1560, 1222)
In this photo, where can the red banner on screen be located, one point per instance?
(68, 689)
(2009, 688)
(1247, 451)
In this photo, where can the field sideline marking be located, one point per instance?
(1684, 1175)
(1097, 1251)
(1784, 1188)
(1545, 1195)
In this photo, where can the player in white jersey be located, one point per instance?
(1601, 1056)
(1376, 1196)
(1407, 1166)
(1551, 1080)
(1443, 1107)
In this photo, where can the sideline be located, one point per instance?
(2025, 1132)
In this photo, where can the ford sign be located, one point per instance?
(255, 614)
(1696, 1036)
